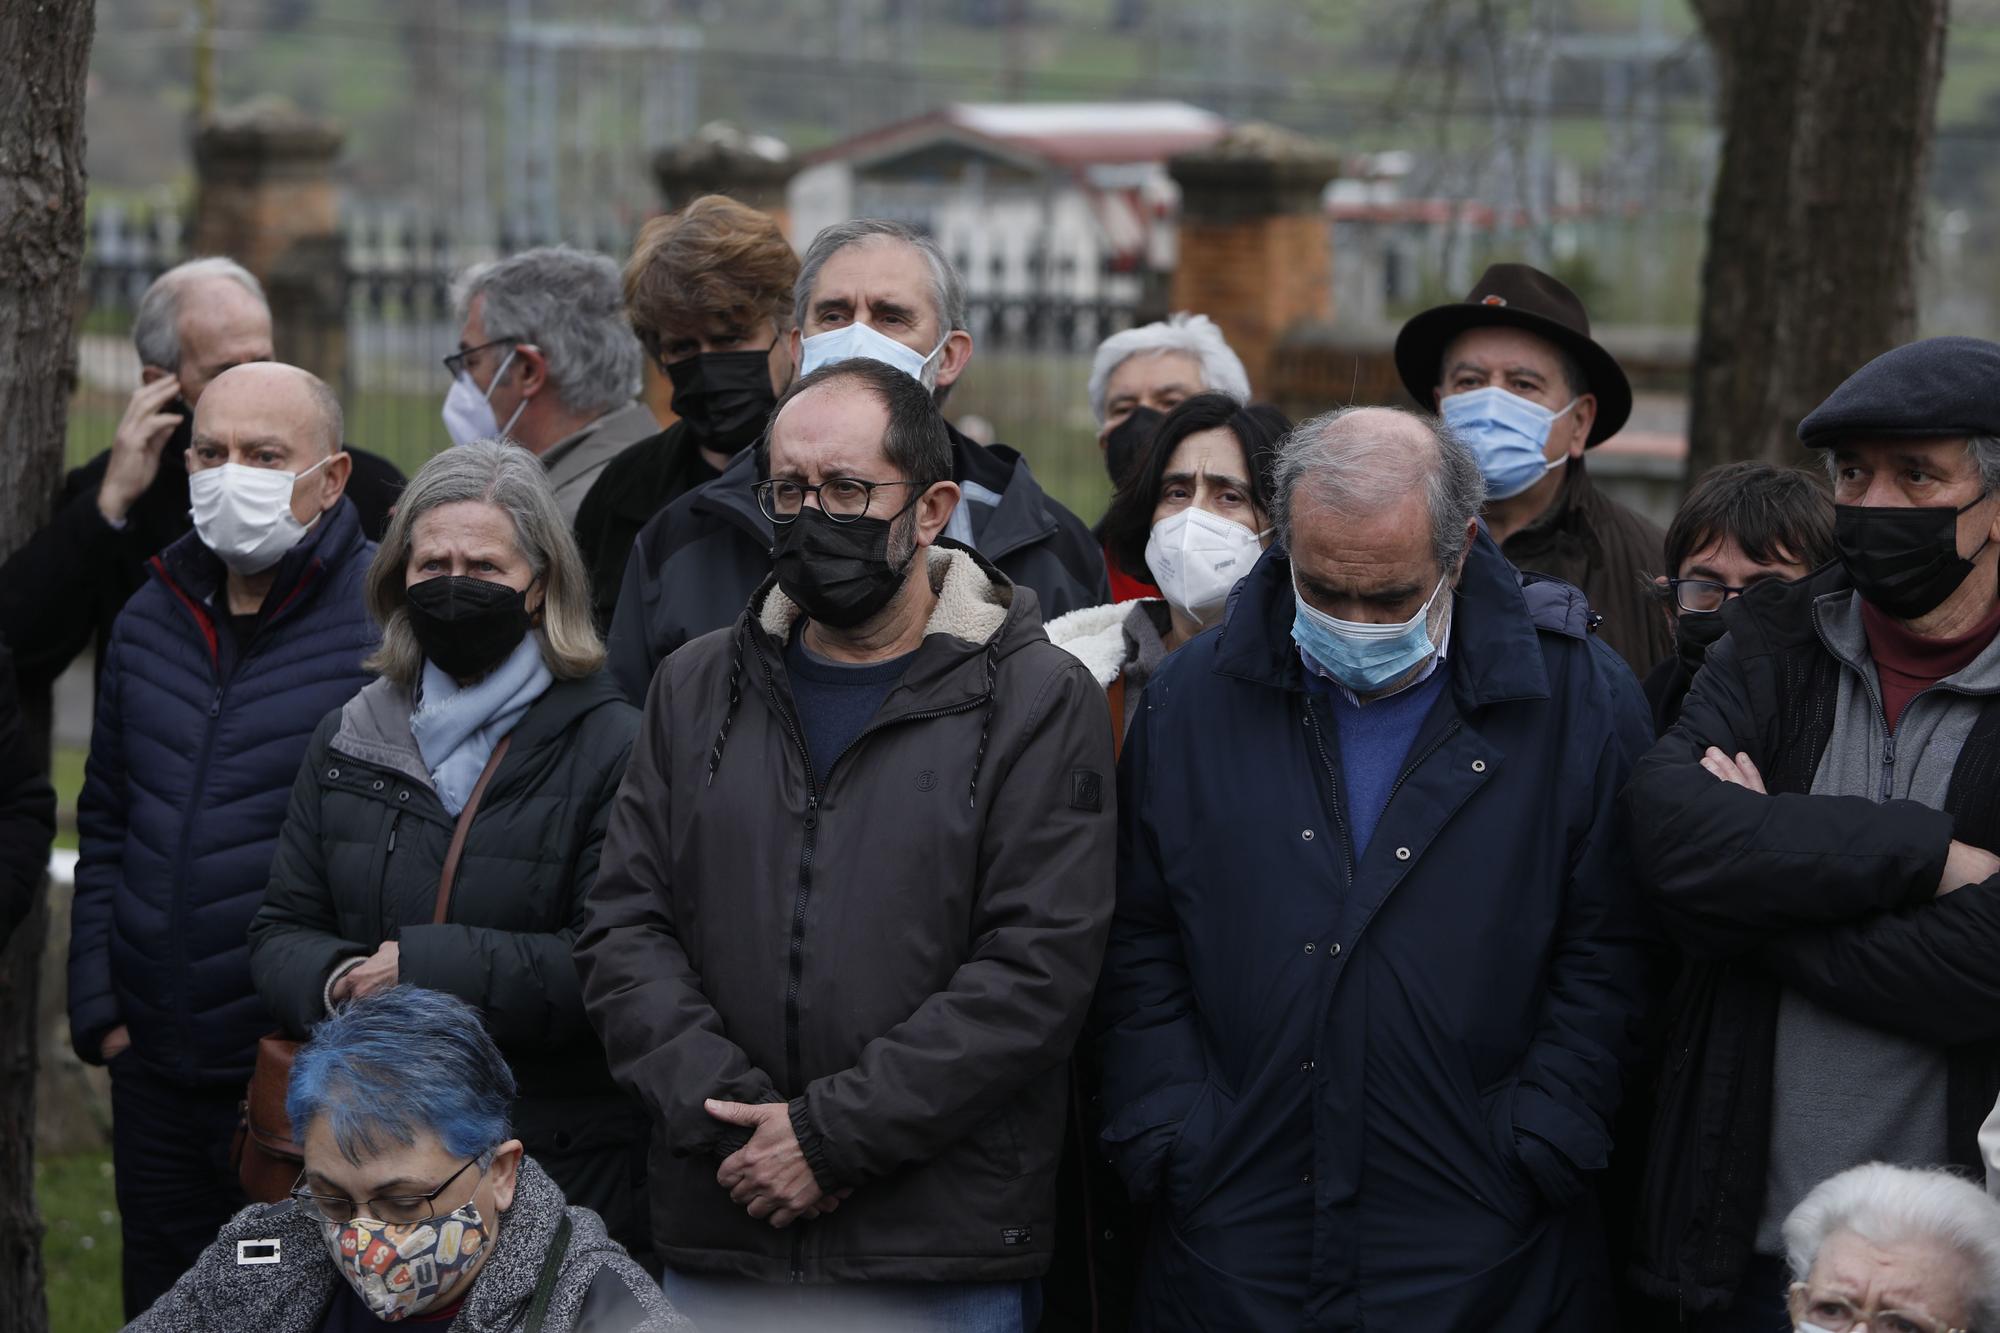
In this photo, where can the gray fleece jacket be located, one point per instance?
(599, 1289)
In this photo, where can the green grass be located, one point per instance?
(66, 772)
(80, 1247)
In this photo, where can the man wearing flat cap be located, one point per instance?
(1514, 370)
(1817, 835)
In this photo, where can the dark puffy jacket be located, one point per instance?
(195, 744)
(1833, 896)
(60, 593)
(1590, 540)
(27, 811)
(903, 949)
(359, 862)
(631, 489)
(1368, 1095)
(694, 566)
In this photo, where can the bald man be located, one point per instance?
(61, 591)
(248, 630)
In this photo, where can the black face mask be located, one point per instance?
(1902, 561)
(1125, 444)
(725, 397)
(467, 626)
(1695, 632)
(839, 573)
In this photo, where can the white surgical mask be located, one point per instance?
(468, 413)
(857, 339)
(1196, 558)
(244, 514)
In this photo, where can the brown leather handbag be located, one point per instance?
(268, 1158)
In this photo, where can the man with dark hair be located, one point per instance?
(1817, 831)
(882, 291)
(60, 592)
(709, 292)
(853, 900)
(1513, 369)
(1742, 524)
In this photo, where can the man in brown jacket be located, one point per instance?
(1514, 371)
(853, 901)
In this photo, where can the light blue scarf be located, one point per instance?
(456, 727)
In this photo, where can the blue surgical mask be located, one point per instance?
(1363, 657)
(857, 339)
(1507, 434)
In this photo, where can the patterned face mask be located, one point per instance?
(401, 1269)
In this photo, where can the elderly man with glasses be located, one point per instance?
(416, 1202)
(853, 899)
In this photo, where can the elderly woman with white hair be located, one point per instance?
(1895, 1250)
(444, 829)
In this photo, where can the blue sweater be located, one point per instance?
(1375, 740)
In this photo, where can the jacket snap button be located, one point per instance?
(403, 795)
(1309, 1178)
(1309, 948)
(333, 774)
(1402, 853)
(378, 784)
(1305, 1066)
(1479, 765)
(1307, 834)
(1333, 950)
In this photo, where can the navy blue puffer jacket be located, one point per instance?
(196, 744)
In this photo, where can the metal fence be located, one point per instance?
(1033, 339)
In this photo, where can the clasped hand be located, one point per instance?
(769, 1175)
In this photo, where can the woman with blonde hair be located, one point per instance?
(444, 830)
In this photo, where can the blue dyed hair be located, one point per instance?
(405, 1060)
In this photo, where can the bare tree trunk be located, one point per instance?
(44, 52)
(1828, 108)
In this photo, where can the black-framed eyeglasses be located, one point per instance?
(1704, 594)
(843, 499)
(458, 363)
(339, 1209)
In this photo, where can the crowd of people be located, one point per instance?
(787, 871)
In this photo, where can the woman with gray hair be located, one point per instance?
(445, 827)
(1895, 1250)
(416, 1201)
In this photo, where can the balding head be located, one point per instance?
(1376, 507)
(276, 399)
(271, 415)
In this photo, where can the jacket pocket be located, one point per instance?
(1190, 1150)
(1513, 1194)
(996, 1143)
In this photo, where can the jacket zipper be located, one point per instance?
(1411, 767)
(797, 958)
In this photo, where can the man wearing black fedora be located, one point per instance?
(1514, 370)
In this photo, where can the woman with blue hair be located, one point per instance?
(416, 1203)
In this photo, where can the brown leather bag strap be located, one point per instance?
(464, 826)
(1114, 695)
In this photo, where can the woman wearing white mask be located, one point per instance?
(1192, 519)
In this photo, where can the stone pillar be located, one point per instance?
(266, 198)
(721, 158)
(724, 159)
(1255, 253)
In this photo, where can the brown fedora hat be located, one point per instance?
(1516, 296)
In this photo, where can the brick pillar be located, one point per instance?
(1254, 252)
(266, 198)
(721, 158)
